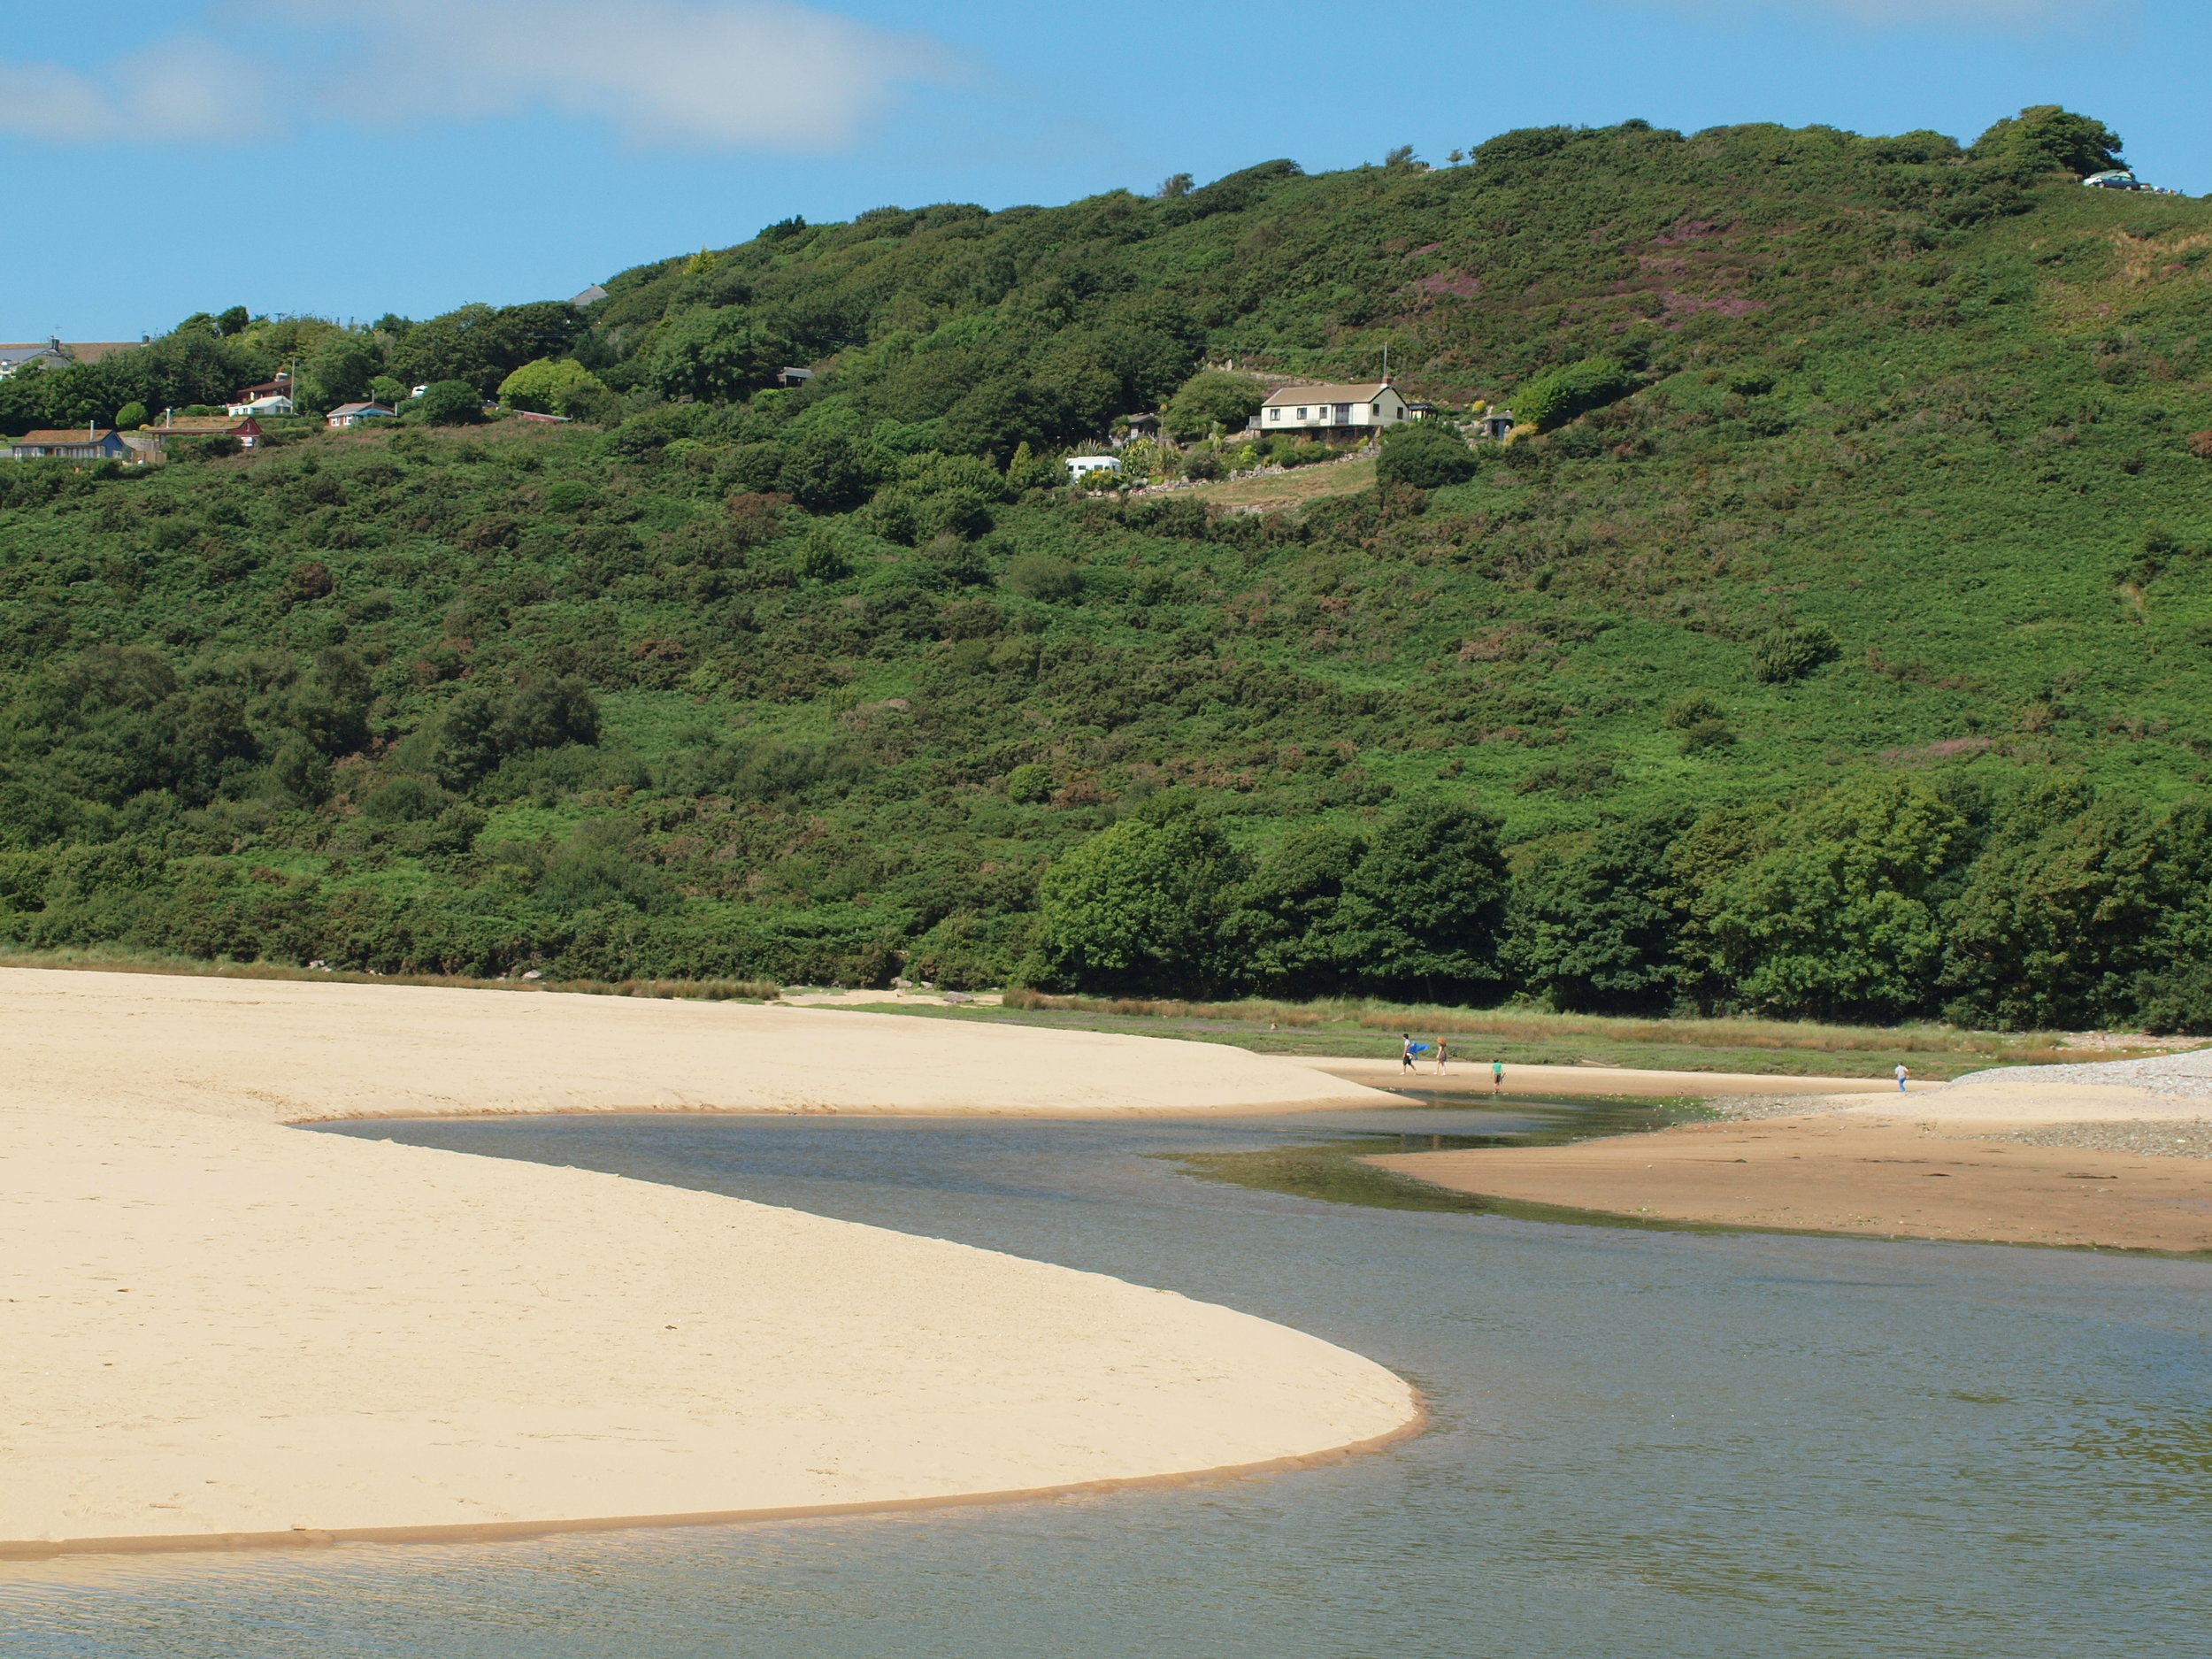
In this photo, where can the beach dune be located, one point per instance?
(216, 1327)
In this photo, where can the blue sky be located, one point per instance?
(353, 157)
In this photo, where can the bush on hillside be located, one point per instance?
(451, 404)
(1047, 580)
(1425, 454)
(480, 729)
(707, 354)
(1791, 653)
(552, 386)
(1213, 399)
(1550, 401)
(2047, 138)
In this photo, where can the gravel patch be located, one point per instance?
(2155, 1138)
(2176, 1074)
(1749, 1107)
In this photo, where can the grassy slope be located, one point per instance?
(1968, 437)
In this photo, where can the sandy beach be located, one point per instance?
(216, 1327)
(2082, 1155)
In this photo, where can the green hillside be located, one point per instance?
(1848, 653)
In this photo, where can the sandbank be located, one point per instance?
(218, 1329)
(1941, 1164)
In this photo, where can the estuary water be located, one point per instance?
(1645, 1444)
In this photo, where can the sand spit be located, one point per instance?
(2007, 1156)
(215, 1327)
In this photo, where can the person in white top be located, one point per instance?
(1902, 1075)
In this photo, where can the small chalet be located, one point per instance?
(272, 398)
(353, 414)
(794, 377)
(1082, 466)
(1332, 411)
(246, 429)
(94, 444)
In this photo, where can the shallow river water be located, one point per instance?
(1644, 1444)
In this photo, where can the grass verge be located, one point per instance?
(1362, 1029)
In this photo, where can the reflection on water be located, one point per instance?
(1646, 1444)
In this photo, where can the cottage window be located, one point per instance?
(1274, 414)
(1301, 414)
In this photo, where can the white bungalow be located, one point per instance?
(1337, 410)
(353, 414)
(1081, 467)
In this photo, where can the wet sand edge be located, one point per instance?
(495, 1531)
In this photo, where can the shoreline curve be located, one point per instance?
(221, 1328)
(499, 1532)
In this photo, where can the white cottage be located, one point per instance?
(1333, 410)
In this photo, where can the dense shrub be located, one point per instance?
(1425, 454)
(1792, 653)
(1041, 577)
(1553, 399)
(451, 404)
(1213, 400)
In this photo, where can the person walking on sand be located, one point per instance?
(1497, 1077)
(1441, 1047)
(1902, 1075)
(1405, 1051)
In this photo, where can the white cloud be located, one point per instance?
(46, 101)
(196, 88)
(712, 73)
(187, 89)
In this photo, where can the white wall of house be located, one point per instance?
(1323, 408)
